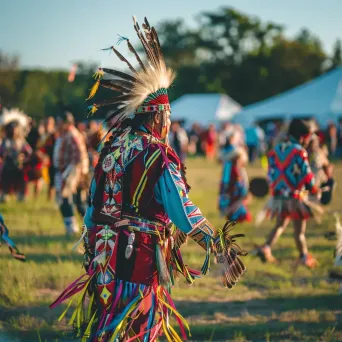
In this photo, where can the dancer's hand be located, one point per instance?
(228, 253)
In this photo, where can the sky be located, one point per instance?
(57, 33)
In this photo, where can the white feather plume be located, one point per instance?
(14, 114)
(149, 82)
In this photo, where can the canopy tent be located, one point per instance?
(320, 98)
(204, 108)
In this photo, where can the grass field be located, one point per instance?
(272, 302)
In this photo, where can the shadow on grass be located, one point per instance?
(270, 331)
(261, 306)
(44, 320)
(215, 333)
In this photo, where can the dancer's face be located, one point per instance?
(162, 123)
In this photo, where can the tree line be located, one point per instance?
(228, 52)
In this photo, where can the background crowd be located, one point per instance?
(258, 139)
(26, 153)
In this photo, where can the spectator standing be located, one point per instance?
(47, 146)
(195, 144)
(209, 142)
(73, 167)
(332, 139)
(225, 133)
(179, 140)
(254, 139)
(14, 152)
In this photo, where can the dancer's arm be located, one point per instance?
(171, 192)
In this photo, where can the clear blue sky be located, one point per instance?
(55, 33)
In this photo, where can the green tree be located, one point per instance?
(336, 59)
(240, 55)
(8, 78)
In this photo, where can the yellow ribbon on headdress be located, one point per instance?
(94, 89)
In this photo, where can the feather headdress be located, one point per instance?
(15, 115)
(12, 115)
(142, 91)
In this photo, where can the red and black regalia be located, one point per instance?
(138, 216)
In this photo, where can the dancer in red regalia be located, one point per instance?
(139, 213)
(291, 181)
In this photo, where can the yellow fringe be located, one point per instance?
(78, 310)
(176, 313)
(175, 335)
(87, 331)
(94, 89)
(66, 310)
(168, 337)
(90, 305)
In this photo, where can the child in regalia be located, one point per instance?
(291, 179)
(233, 195)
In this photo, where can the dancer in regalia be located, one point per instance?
(139, 213)
(72, 168)
(290, 180)
(233, 195)
(15, 153)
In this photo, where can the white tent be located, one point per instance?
(204, 108)
(320, 98)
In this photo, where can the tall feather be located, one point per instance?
(123, 59)
(145, 45)
(150, 39)
(122, 83)
(153, 40)
(120, 74)
(114, 86)
(156, 39)
(116, 100)
(131, 48)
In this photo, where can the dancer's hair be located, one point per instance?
(299, 128)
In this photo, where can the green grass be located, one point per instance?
(271, 303)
